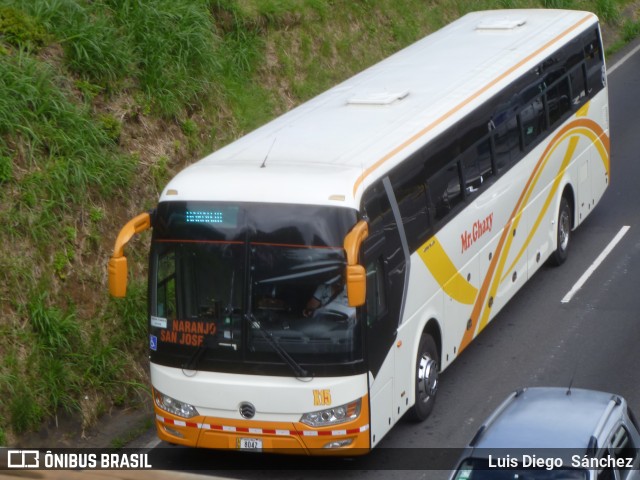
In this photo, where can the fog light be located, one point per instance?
(174, 406)
(339, 443)
(173, 432)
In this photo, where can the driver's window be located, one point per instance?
(166, 294)
(376, 295)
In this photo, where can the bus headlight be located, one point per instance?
(174, 406)
(334, 415)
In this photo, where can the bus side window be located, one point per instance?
(577, 73)
(578, 82)
(594, 62)
(532, 120)
(558, 102)
(445, 191)
(409, 188)
(532, 117)
(377, 209)
(476, 165)
(506, 146)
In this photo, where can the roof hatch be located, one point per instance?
(501, 23)
(377, 98)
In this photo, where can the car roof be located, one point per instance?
(544, 417)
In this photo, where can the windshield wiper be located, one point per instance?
(193, 361)
(297, 369)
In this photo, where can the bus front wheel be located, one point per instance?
(426, 379)
(563, 232)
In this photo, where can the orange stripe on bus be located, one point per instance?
(499, 258)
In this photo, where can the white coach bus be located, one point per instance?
(309, 281)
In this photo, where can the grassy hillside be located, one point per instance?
(101, 102)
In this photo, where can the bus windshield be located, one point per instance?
(233, 286)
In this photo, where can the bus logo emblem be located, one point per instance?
(247, 410)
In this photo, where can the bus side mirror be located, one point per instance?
(356, 274)
(118, 277)
(356, 285)
(117, 268)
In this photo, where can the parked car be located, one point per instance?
(555, 433)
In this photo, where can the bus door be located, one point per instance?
(383, 257)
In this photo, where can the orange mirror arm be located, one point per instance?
(353, 241)
(137, 224)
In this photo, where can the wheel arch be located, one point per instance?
(432, 328)
(569, 193)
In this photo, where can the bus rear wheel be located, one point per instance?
(426, 379)
(563, 233)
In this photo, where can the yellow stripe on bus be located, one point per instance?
(446, 273)
(573, 135)
(573, 144)
(482, 309)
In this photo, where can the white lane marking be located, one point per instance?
(622, 60)
(585, 276)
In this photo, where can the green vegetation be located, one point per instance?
(101, 102)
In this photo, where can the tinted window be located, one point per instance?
(382, 224)
(445, 191)
(574, 54)
(516, 119)
(473, 127)
(479, 469)
(476, 165)
(532, 120)
(577, 78)
(594, 61)
(558, 100)
(578, 82)
(410, 191)
(506, 147)
(376, 295)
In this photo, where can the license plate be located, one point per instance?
(249, 444)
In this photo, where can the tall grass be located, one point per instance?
(56, 330)
(95, 46)
(166, 47)
(130, 314)
(36, 111)
(607, 10)
(61, 153)
(173, 44)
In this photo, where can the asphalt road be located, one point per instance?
(591, 341)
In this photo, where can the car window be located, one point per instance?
(633, 419)
(621, 447)
(479, 469)
(605, 473)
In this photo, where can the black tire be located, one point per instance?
(426, 379)
(563, 233)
